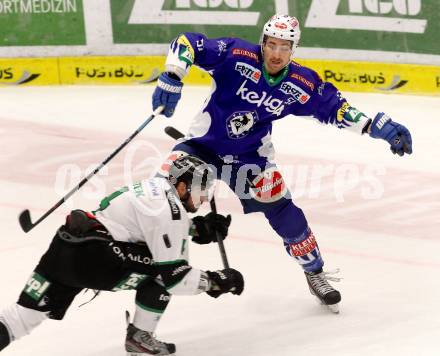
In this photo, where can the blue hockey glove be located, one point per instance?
(167, 93)
(397, 135)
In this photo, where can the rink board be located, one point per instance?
(346, 75)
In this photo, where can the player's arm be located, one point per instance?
(330, 107)
(180, 278)
(184, 51)
(195, 48)
(170, 252)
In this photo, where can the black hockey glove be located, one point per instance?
(225, 281)
(206, 227)
(80, 223)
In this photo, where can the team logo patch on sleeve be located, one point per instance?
(268, 186)
(341, 112)
(185, 50)
(240, 123)
(347, 115)
(36, 286)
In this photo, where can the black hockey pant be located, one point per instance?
(67, 268)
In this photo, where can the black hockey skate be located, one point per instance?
(4, 336)
(141, 343)
(321, 289)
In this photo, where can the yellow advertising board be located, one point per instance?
(119, 70)
(28, 71)
(109, 70)
(378, 77)
(129, 70)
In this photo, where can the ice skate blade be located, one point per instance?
(144, 354)
(334, 308)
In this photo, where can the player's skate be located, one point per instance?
(319, 287)
(4, 336)
(141, 343)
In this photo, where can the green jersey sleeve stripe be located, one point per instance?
(170, 262)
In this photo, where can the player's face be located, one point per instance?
(201, 194)
(196, 199)
(276, 54)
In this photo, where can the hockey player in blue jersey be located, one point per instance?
(253, 85)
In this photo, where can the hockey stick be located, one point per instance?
(155, 73)
(25, 216)
(176, 134)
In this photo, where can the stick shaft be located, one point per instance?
(29, 225)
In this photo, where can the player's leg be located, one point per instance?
(49, 291)
(110, 267)
(41, 298)
(63, 271)
(151, 302)
(265, 191)
(5, 335)
(261, 188)
(17, 321)
(300, 243)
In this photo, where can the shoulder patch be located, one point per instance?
(153, 189)
(245, 53)
(222, 47)
(303, 80)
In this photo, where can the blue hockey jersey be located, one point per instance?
(237, 117)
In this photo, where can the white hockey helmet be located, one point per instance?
(284, 27)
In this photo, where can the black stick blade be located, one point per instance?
(173, 133)
(25, 220)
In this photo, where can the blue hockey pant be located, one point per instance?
(260, 188)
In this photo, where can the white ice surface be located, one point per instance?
(387, 249)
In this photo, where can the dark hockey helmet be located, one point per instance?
(196, 174)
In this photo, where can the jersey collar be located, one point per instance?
(273, 80)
